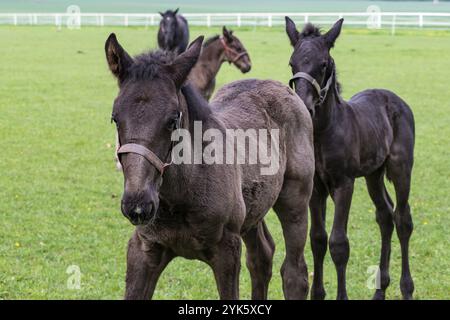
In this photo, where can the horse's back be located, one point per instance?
(259, 104)
(384, 121)
(242, 100)
(372, 101)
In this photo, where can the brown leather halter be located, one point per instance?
(321, 92)
(235, 55)
(150, 156)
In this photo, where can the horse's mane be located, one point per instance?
(310, 30)
(149, 65)
(198, 108)
(210, 40)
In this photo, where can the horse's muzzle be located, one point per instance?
(139, 208)
(246, 68)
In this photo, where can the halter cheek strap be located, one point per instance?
(321, 92)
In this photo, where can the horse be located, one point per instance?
(202, 211)
(173, 33)
(371, 136)
(216, 50)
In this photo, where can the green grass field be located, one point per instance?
(60, 192)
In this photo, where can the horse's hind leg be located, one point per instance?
(384, 217)
(145, 263)
(399, 171)
(318, 236)
(260, 250)
(292, 210)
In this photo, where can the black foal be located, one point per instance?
(369, 136)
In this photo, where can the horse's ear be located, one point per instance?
(227, 34)
(292, 32)
(183, 64)
(118, 59)
(333, 33)
(176, 11)
(162, 14)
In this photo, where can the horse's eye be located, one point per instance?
(172, 124)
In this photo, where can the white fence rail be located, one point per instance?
(363, 19)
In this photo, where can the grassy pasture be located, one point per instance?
(60, 193)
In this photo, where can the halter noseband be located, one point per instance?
(321, 92)
(148, 154)
(237, 55)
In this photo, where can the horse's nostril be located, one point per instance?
(139, 207)
(138, 210)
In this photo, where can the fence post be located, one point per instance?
(269, 20)
(394, 18)
(421, 20)
(208, 20)
(15, 19)
(126, 20)
(152, 20)
(238, 20)
(102, 20)
(306, 18)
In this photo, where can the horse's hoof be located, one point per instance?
(342, 297)
(318, 294)
(379, 295)
(408, 297)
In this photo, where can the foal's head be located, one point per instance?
(312, 56)
(235, 51)
(168, 24)
(146, 111)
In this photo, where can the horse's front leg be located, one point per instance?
(318, 236)
(225, 262)
(339, 244)
(145, 263)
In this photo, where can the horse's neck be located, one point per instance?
(179, 178)
(210, 61)
(327, 114)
